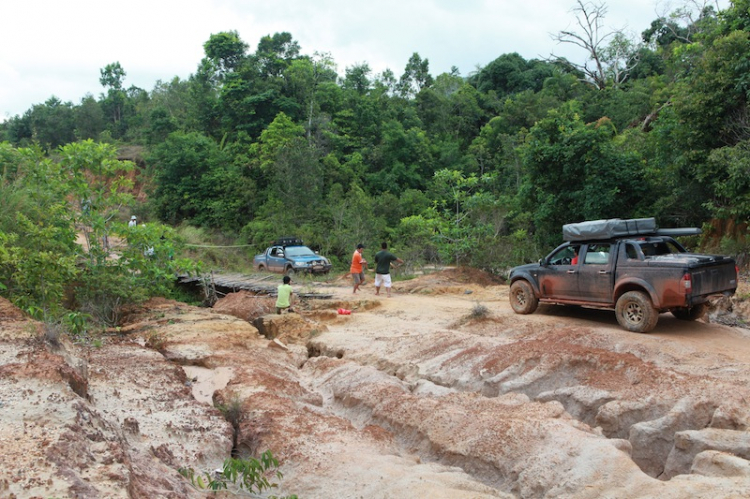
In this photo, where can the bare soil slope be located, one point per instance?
(438, 392)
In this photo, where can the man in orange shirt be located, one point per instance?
(358, 267)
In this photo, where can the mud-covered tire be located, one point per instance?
(636, 313)
(261, 268)
(522, 298)
(690, 314)
(290, 272)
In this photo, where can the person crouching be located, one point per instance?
(284, 295)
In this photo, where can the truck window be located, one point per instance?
(299, 251)
(597, 254)
(564, 256)
(656, 248)
(631, 251)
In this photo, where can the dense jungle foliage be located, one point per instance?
(479, 170)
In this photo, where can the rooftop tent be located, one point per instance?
(608, 229)
(617, 227)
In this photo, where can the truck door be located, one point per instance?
(276, 259)
(558, 278)
(595, 273)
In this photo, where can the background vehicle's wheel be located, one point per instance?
(290, 272)
(522, 299)
(636, 313)
(692, 313)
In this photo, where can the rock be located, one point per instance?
(653, 440)
(720, 464)
(245, 305)
(276, 343)
(131, 425)
(688, 444)
(288, 328)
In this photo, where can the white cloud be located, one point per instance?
(49, 47)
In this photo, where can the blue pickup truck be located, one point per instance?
(290, 256)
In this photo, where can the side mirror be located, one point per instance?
(280, 254)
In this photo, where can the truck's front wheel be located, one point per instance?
(522, 298)
(290, 272)
(636, 313)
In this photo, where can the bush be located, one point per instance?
(250, 475)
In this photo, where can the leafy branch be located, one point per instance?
(249, 477)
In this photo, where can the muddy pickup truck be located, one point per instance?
(629, 266)
(290, 256)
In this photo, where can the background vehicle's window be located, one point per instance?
(298, 251)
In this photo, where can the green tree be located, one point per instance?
(112, 78)
(89, 119)
(81, 189)
(276, 52)
(511, 73)
(576, 171)
(181, 166)
(53, 123)
(38, 255)
(227, 50)
(416, 76)
(728, 174)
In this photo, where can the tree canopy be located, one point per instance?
(481, 169)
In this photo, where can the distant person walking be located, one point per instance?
(383, 261)
(357, 269)
(284, 295)
(133, 221)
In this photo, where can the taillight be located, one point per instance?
(687, 282)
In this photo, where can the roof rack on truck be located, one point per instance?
(288, 241)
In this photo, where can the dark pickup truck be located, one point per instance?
(628, 266)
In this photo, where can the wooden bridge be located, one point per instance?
(231, 283)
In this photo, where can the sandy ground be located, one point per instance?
(440, 391)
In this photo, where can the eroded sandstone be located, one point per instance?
(419, 395)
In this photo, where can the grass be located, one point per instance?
(479, 311)
(217, 251)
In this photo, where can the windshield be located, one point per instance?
(298, 251)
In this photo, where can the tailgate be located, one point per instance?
(712, 277)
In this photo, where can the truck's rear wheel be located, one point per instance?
(636, 313)
(261, 268)
(692, 313)
(522, 298)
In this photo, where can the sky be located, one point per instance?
(57, 48)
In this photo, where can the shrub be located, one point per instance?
(250, 475)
